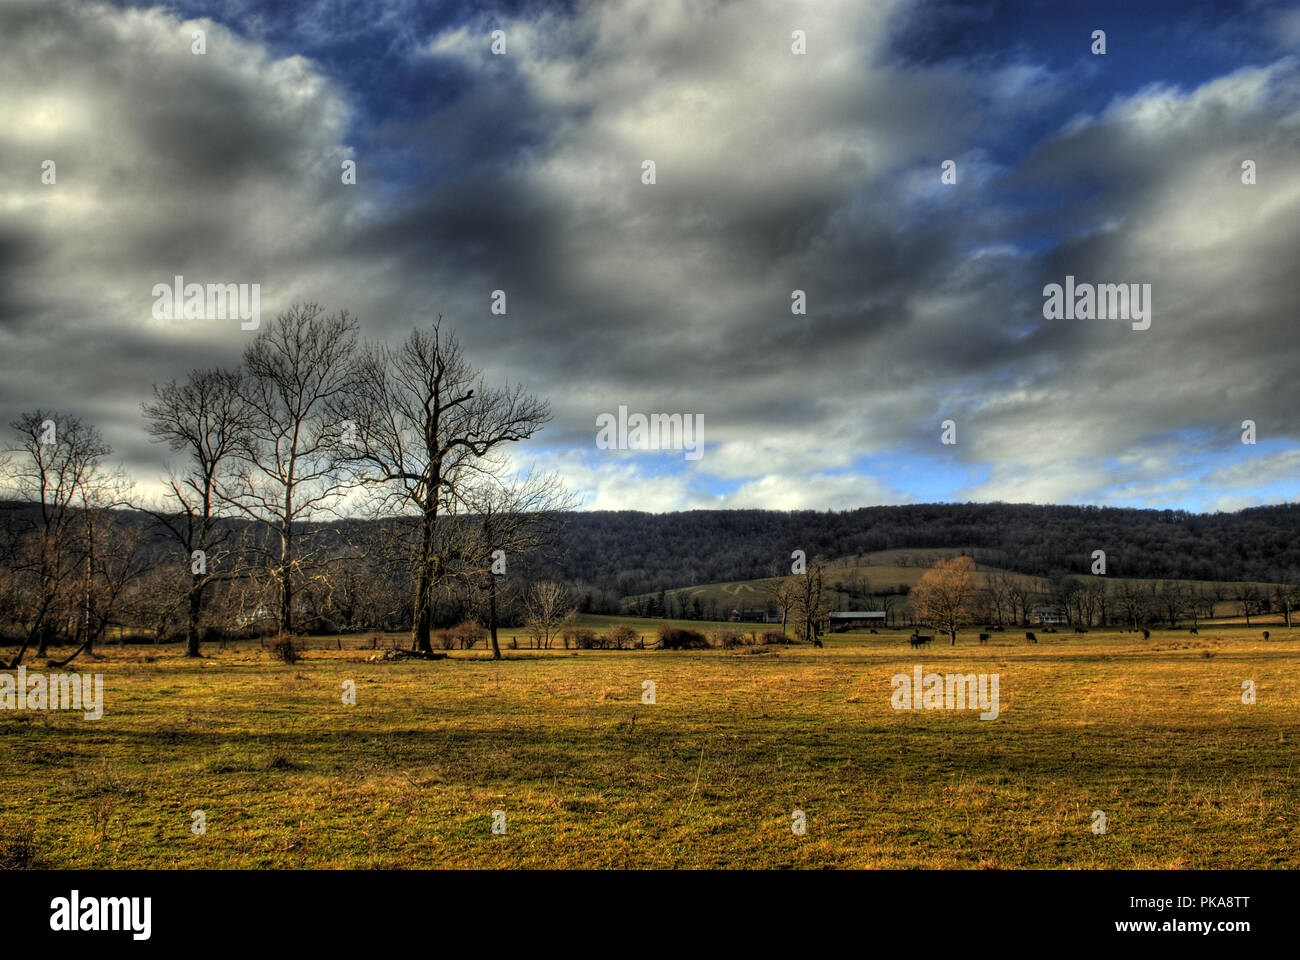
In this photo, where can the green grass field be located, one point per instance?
(1152, 733)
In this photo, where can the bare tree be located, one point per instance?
(1133, 601)
(811, 603)
(547, 607)
(54, 461)
(207, 419)
(297, 368)
(946, 594)
(424, 422)
(115, 554)
(1286, 593)
(510, 518)
(1248, 599)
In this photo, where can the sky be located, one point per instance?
(775, 171)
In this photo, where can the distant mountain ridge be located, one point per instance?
(626, 553)
(629, 553)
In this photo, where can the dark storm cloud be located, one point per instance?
(774, 173)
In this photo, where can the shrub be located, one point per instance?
(727, 639)
(445, 639)
(467, 634)
(680, 638)
(621, 637)
(582, 638)
(286, 647)
(774, 636)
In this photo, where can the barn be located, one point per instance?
(856, 619)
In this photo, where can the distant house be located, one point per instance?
(854, 619)
(264, 614)
(1048, 616)
(754, 616)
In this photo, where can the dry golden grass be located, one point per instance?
(1153, 733)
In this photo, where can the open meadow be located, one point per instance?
(1153, 733)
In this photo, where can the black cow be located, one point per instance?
(984, 638)
(1265, 634)
(917, 640)
(817, 643)
(1146, 634)
(1030, 637)
(1196, 632)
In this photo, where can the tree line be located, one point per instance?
(324, 478)
(615, 554)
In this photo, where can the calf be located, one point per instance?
(1146, 634)
(1030, 637)
(917, 640)
(1265, 634)
(984, 638)
(1196, 632)
(817, 643)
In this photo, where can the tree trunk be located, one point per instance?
(422, 616)
(192, 621)
(286, 580)
(492, 616)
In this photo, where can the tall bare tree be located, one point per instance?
(298, 367)
(425, 421)
(206, 420)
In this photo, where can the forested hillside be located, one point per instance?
(629, 553)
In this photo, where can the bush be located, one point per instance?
(727, 639)
(286, 648)
(467, 634)
(680, 638)
(445, 639)
(621, 637)
(774, 636)
(582, 638)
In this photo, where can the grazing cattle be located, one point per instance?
(1196, 632)
(1030, 637)
(917, 640)
(817, 643)
(1146, 634)
(1081, 630)
(984, 638)
(1265, 634)
(873, 629)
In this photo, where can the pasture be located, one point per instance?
(1153, 733)
(891, 570)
